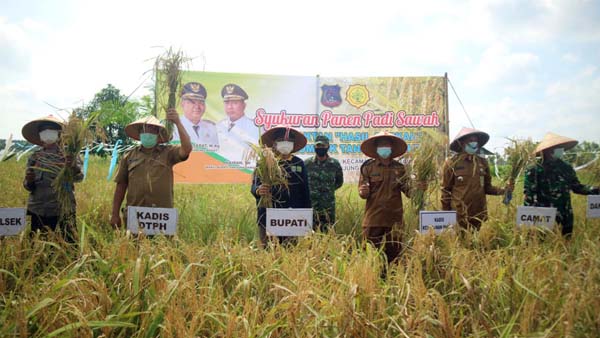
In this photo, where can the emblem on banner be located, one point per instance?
(357, 95)
(330, 96)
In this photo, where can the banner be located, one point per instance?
(346, 109)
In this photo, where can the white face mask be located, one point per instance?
(284, 147)
(49, 136)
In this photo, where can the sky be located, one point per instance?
(520, 68)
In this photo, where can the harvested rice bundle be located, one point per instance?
(76, 135)
(167, 69)
(426, 160)
(519, 155)
(269, 171)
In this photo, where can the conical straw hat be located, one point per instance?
(464, 132)
(31, 130)
(134, 128)
(369, 146)
(552, 140)
(269, 137)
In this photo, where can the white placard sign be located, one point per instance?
(438, 220)
(152, 221)
(536, 216)
(593, 206)
(289, 222)
(12, 221)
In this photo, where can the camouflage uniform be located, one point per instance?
(548, 184)
(324, 178)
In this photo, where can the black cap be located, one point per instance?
(193, 90)
(232, 92)
(322, 139)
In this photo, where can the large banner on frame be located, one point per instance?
(237, 108)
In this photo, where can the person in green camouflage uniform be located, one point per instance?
(325, 176)
(548, 182)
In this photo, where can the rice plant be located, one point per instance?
(270, 172)
(425, 164)
(76, 135)
(212, 280)
(168, 68)
(519, 155)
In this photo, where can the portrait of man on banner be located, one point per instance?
(202, 132)
(236, 130)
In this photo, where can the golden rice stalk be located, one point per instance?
(425, 161)
(269, 171)
(76, 134)
(167, 70)
(519, 155)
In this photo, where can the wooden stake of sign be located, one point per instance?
(152, 221)
(12, 221)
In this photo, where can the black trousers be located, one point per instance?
(386, 238)
(67, 227)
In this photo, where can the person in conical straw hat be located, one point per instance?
(549, 182)
(466, 179)
(43, 166)
(382, 182)
(284, 141)
(145, 173)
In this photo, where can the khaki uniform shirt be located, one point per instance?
(465, 182)
(384, 202)
(149, 175)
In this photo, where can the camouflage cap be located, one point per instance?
(193, 90)
(231, 92)
(322, 139)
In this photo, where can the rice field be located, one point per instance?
(212, 280)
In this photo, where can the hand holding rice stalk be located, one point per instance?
(75, 136)
(269, 171)
(167, 69)
(425, 161)
(518, 156)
